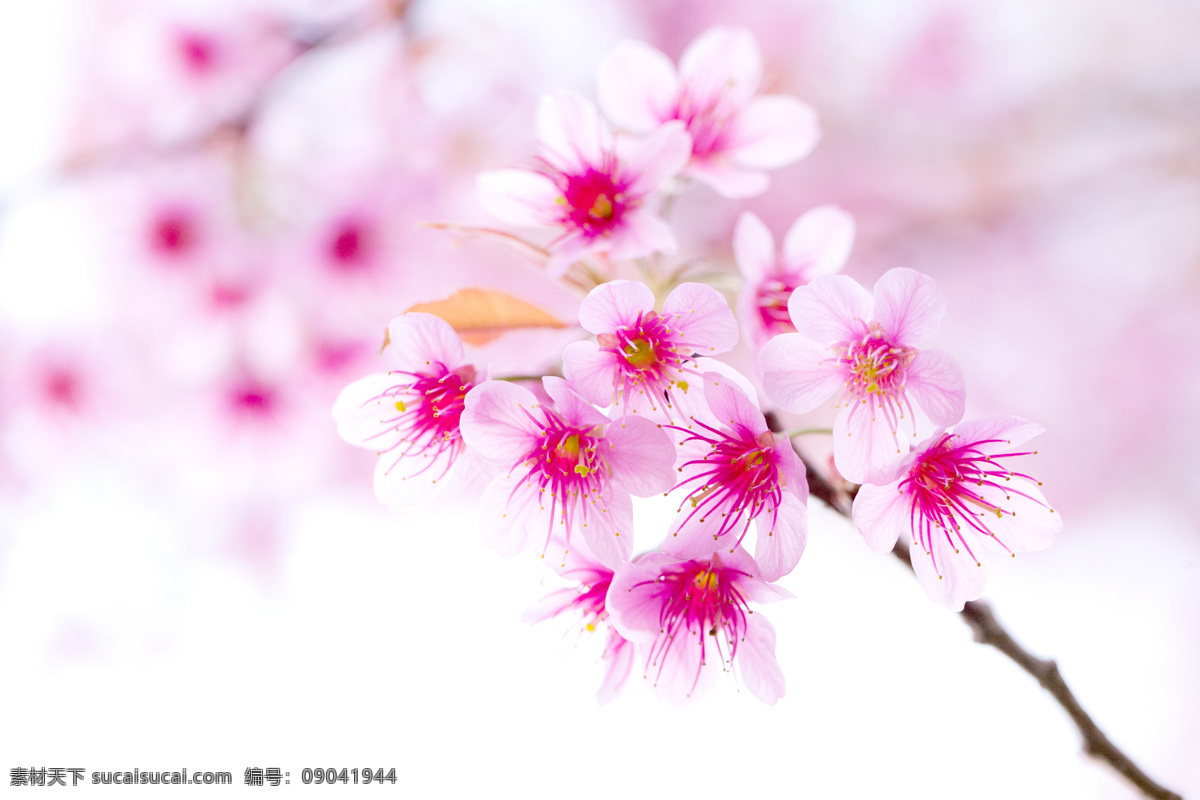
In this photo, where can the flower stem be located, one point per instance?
(808, 431)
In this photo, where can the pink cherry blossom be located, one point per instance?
(816, 244)
(410, 415)
(866, 349)
(951, 490)
(593, 187)
(571, 468)
(736, 135)
(690, 615)
(642, 358)
(737, 472)
(587, 601)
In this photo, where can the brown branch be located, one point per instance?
(982, 621)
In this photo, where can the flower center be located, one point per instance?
(427, 413)
(646, 348)
(173, 233)
(198, 51)
(640, 354)
(707, 120)
(566, 470)
(874, 366)
(594, 202)
(737, 478)
(699, 597)
(349, 245)
(772, 303)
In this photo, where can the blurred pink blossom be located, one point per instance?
(818, 243)
(736, 135)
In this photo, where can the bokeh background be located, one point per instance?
(209, 211)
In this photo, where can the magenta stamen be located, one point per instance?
(567, 465)
(698, 598)
(942, 484)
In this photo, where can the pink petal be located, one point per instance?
(640, 455)
(519, 197)
(722, 61)
(756, 661)
(679, 676)
(619, 654)
(727, 179)
(935, 383)
(571, 133)
(695, 537)
(730, 405)
(614, 305)
(637, 86)
(909, 305)
(1009, 430)
(957, 577)
(416, 341)
(511, 515)
(753, 249)
(819, 242)
(729, 372)
(703, 317)
(550, 606)
(609, 530)
(408, 481)
(569, 249)
(494, 425)
(779, 548)
(633, 599)
(687, 399)
(363, 416)
(658, 157)
(591, 371)
(773, 131)
(832, 308)
(575, 561)
(865, 448)
(641, 234)
(574, 410)
(753, 588)
(880, 514)
(1031, 525)
(791, 468)
(798, 374)
(649, 404)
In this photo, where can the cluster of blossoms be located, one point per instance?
(642, 407)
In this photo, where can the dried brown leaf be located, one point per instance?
(480, 316)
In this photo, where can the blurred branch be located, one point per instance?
(237, 125)
(987, 629)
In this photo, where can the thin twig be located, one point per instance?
(979, 616)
